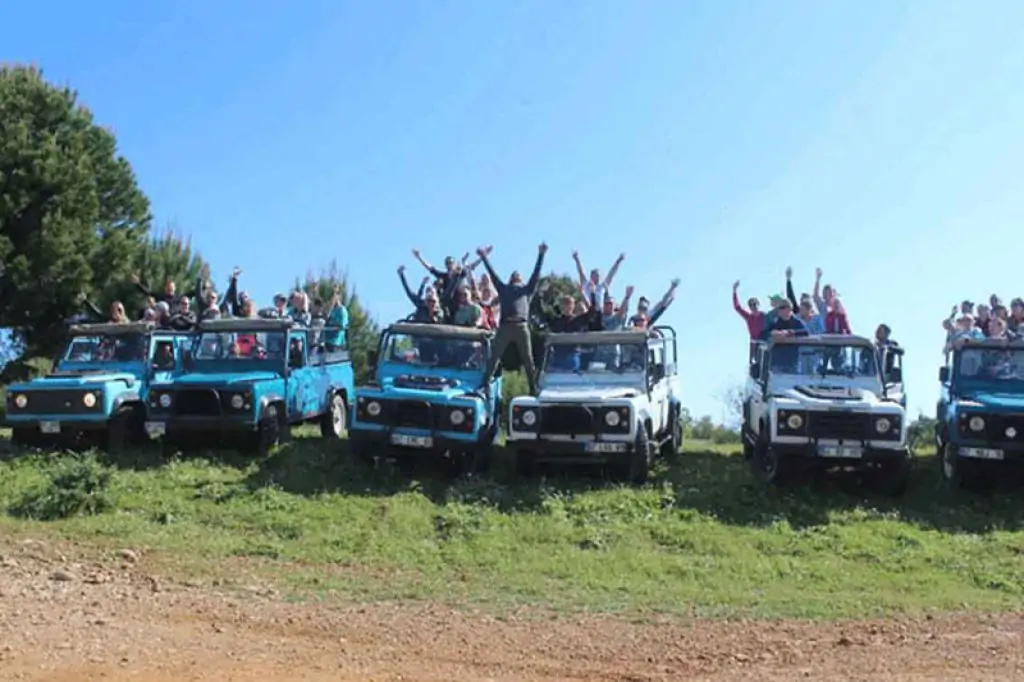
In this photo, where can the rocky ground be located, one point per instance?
(63, 617)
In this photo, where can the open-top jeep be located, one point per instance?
(604, 397)
(248, 381)
(96, 393)
(981, 411)
(824, 401)
(426, 397)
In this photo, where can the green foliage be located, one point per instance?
(513, 384)
(363, 331)
(72, 218)
(705, 429)
(921, 432)
(74, 487)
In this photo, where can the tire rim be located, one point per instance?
(769, 462)
(948, 465)
(337, 417)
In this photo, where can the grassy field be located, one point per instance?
(703, 538)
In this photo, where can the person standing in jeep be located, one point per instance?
(514, 321)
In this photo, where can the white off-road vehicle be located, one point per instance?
(826, 401)
(604, 397)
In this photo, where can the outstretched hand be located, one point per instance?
(735, 285)
(425, 282)
(621, 258)
(675, 282)
(416, 252)
(789, 272)
(629, 290)
(401, 269)
(481, 251)
(135, 278)
(575, 254)
(236, 272)
(818, 273)
(543, 247)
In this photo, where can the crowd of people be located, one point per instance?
(171, 309)
(458, 295)
(818, 312)
(985, 321)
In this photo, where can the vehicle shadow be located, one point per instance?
(722, 486)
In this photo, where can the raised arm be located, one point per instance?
(819, 302)
(423, 288)
(140, 286)
(413, 298)
(91, 308)
(497, 281)
(623, 309)
(579, 268)
(790, 294)
(430, 268)
(664, 303)
(615, 268)
(469, 266)
(531, 285)
(230, 300)
(736, 301)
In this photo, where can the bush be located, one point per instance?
(514, 384)
(76, 487)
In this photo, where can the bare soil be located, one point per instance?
(68, 618)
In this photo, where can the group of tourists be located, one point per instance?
(458, 296)
(818, 312)
(985, 321)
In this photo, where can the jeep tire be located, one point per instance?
(892, 476)
(268, 431)
(769, 467)
(959, 472)
(334, 421)
(638, 468)
(122, 428)
(671, 446)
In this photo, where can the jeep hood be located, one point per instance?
(425, 387)
(833, 395)
(208, 379)
(996, 399)
(587, 393)
(83, 380)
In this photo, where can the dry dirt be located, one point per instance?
(67, 619)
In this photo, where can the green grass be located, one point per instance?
(702, 539)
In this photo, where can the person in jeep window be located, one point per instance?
(183, 319)
(513, 325)
(754, 318)
(592, 287)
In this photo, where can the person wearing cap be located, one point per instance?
(514, 323)
(645, 315)
(754, 318)
(593, 288)
(613, 318)
(785, 323)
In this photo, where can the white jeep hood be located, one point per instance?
(833, 396)
(585, 393)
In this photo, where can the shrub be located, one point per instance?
(75, 487)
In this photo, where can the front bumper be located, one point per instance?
(206, 426)
(992, 452)
(56, 424)
(573, 451)
(844, 454)
(413, 441)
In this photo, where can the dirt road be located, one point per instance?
(111, 620)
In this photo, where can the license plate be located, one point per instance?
(49, 427)
(841, 451)
(982, 453)
(155, 429)
(605, 447)
(412, 441)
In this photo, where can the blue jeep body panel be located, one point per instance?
(222, 392)
(410, 404)
(981, 405)
(59, 403)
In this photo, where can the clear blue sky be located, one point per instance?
(709, 140)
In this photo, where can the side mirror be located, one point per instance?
(896, 375)
(755, 370)
(943, 374)
(372, 357)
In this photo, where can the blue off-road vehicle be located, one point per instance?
(248, 381)
(97, 390)
(426, 398)
(981, 411)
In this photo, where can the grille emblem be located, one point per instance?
(1011, 432)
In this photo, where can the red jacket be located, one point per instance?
(755, 321)
(836, 323)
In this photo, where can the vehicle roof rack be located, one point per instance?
(113, 328)
(623, 336)
(824, 340)
(450, 331)
(246, 324)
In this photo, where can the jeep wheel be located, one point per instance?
(268, 431)
(334, 422)
(670, 448)
(122, 429)
(769, 467)
(23, 436)
(641, 459)
(892, 477)
(958, 472)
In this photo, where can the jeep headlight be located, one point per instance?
(457, 417)
(89, 399)
(236, 402)
(21, 400)
(883, 425)
(976, 423)
(794, 421)
(612, 419)
(165, 400)
(529, 417)
(373, 409)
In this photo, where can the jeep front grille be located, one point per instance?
(197, 402)
(413, 414)
(56, 402)
(996, 426)
(567, 419)
(839, 425)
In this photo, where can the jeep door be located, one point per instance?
(300, 381)
(164, 357)
(755, 393)
(656, 373)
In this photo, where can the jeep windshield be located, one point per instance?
(242, 345)
(101, 349)
(426, 350)
(991, 364)
(595, 359)
(824, 360)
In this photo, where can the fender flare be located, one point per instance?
(123, 398)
